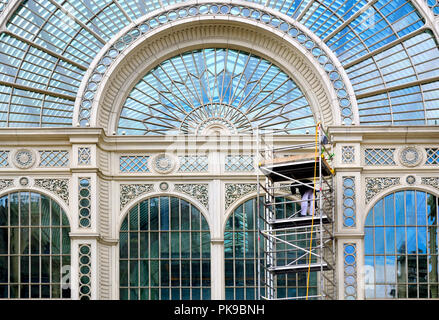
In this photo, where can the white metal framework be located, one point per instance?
(300, 243)
(387, 48)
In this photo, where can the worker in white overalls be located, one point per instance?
(307, 194)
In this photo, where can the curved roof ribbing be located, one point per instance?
(389, 54)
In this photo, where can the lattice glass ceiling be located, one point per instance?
(389, 54)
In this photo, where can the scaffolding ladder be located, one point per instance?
(296, 248)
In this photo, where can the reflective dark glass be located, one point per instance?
(166, 251)
(401, 255)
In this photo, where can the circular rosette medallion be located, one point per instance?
(410, 156)
(163, 163)
(24, 158)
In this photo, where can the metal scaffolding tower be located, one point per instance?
(297, 246)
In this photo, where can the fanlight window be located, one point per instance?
(34, 247)
(164, 252)
(401, 247)
(214, 88)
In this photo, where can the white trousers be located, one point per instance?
(307, 202)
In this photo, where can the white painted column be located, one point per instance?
(84, 228)
(216, 204)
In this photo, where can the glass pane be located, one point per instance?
(4, 241)
(155, 240)
(3, 211)
(415, 266)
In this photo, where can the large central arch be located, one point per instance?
(325, 95)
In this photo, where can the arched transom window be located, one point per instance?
(164, 251)
(401, 246)
(215, 88)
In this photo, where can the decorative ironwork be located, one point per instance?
(392, 30)
(54, 158)
(379, 157)
(243, 12)
(235, 191)
(84, 252)
(4, 158)
(231, 89)
(376, 185)
(434, 6)
(193, 163)
(349, 216)
(84, 155)
(350, 270)
(133, 164)
(348, 154)
(431, 181)
(129, 192)
(198, 191)
(6, 183)
(58, 186)
(432, 156)
(236, 163)
(84, 202)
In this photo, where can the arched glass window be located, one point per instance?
(164, 251)
(34, 247)
(241, 255)
(199, 89)
(401, 247)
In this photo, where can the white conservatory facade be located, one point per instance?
(129, 135)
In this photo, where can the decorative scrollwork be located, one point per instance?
(6, 183)
(130, 191)
(431, 181)
(197, 191)
(58, 186)
(234, 191)
(376, 185)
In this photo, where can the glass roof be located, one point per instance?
(215, 87)
(389, 54)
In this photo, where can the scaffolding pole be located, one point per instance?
(296, 244)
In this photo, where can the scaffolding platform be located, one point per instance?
(292, 243)
(295, 167)
(298, 221)
(313, 267)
